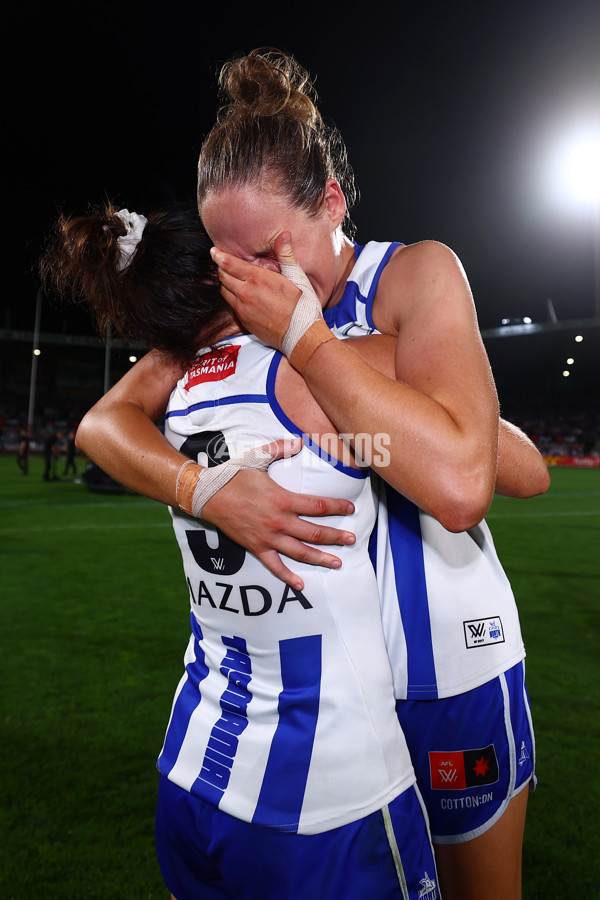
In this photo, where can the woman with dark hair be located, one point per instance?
(162, 306)
(168, 322)
(284, 771)
(271, 169)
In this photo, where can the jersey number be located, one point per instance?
(227, 557)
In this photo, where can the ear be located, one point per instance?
(335, 202)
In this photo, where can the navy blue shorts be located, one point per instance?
(472, 753)
(205, 853)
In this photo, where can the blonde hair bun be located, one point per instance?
(267, 82)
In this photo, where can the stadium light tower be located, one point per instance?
(578, 163)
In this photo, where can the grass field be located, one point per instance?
(93, 625)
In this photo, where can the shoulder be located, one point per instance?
(417, 276)
(426, 260)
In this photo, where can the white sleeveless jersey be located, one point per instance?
(449, 615)
(285, 715)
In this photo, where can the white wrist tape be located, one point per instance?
(196, 485)
(298, 345)
(308, 308)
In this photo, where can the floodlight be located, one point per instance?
(578, 164)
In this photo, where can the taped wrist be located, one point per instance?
(317, 334)
(195, 485)
(307, 329)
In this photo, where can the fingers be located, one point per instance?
(284, 448)
(280, 524)
(268, 520)
(229, 296)
(243, 278)
(290, 268)
(283, 249)
(296, 550)
(307, 505)
(274, 564)
(313, 533)
(229, 264)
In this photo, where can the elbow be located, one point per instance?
(465, 504)
(532, 484)
(541, 484)
(469, 481)
(83, 435)
(462, 517)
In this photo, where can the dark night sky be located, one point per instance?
(449, 111)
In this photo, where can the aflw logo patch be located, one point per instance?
(213, 366)
(455, 770)
(483, 632)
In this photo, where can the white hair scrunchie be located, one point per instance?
(134, 227)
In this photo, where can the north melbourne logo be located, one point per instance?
(428, 889)
(524, 756)
(483, 632)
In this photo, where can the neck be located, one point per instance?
(346, 264)
(229, 326)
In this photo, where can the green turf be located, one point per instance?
(93, 625)
(93, 629)
(550, 548)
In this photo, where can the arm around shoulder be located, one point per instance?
(119, 432)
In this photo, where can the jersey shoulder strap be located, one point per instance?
(353, 315)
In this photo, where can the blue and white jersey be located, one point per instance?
(285, 714)
(449, 615)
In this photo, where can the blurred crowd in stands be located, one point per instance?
(574, 433)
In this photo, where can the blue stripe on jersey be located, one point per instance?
(375, 282)
(185, 705)
(291, 426)
(344, 311)
(284, 782)
(411, 588)
(373, 544)
(220, 401)
(222, 746)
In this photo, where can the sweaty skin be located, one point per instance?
(119, 433)
(446, 423)
(424, 301)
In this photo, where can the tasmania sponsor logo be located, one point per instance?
(213, 366)
(483, 632)
(455, 770)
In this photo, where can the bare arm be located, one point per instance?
(522, 471)
(443, 427)
(119, 434)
